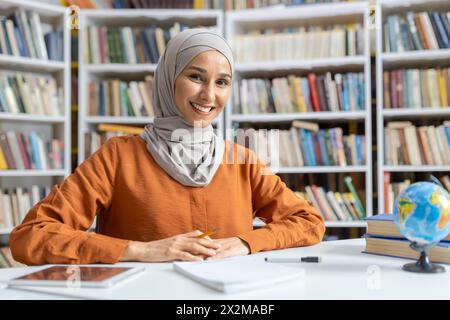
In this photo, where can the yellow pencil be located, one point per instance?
(208, 233)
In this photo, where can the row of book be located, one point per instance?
(334, 206)
(16, 202)
(28, 150)
(384, 238)
(416, 88)
(297, 43)
(392, 189)
(128, 44)
(301, 146)
(417, 31)
(189, 4)
(405, 144)
(94, 139)
(23, 35)
(312, 93)
(7, 260)
(30, 93)
(114, 97)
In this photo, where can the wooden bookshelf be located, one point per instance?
(412, 59)
(48, 127)
(238, 22)
(124, 71)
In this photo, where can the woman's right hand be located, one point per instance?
(182, 247)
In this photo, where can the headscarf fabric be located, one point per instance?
(190, 155)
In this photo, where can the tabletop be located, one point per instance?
(345, 272)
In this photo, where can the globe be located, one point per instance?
(422, 213)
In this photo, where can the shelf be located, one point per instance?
(31, 117)
(5, 231)
(345, 224)
(310, 11)
(290, 65)
(416, 113)
(157, 14)
(286, 117)
(30, 64)
(33, 173)
(423, 168)
(319, 169)
(121, 120)
(417, 56)
(119, 68)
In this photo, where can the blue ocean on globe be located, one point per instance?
(422, 213)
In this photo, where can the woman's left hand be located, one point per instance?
(230, 247)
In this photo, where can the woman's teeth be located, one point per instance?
(200, 108)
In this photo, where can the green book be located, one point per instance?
(358, 203)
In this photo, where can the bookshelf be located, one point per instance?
(423, 114)
(88, 72)
(240, 22)
(46, 126)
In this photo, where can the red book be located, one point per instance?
(387, 180)
(22, 150)
(313, 92)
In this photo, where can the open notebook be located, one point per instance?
(238, 273)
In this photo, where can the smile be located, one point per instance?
(200, 109)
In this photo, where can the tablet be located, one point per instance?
(76, 276)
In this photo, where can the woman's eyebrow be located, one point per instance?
(199, 69)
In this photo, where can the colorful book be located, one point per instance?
(397, 247)
(383, 225)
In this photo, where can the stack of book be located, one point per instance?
(416, 88)
(31, 94)
(27, 150)
(335, 206)
(298, 43)
(406, 144)
(94, 139)
(384, 238)
(15, 203)
(305, 145)
(311, 93)
(23, 35)
(417, 31)
(113, 97)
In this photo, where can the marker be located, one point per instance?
(293, 260)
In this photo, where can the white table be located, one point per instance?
(344, 273)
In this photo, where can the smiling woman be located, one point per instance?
(153, 193)
(203, 88)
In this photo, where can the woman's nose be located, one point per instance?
(207, 93)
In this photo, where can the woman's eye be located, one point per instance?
(222, 82)
(195, 77)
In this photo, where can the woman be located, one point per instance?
(153, 194)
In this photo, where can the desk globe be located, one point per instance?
(422, 214)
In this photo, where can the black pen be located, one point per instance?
(295, 260)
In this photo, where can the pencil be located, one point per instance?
(208, 233)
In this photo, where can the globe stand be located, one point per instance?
(423, 265)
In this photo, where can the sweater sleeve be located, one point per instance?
(291, 221)
(54, 231)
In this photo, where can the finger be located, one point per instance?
(196, 248)
(221, 255)
(209, 243)
(186, 256)
(193, 234)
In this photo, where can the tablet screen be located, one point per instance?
(64, 273)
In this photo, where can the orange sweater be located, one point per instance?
(135, 199)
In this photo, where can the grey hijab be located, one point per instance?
(189, 155)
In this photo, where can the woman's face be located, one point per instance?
(203, 87)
